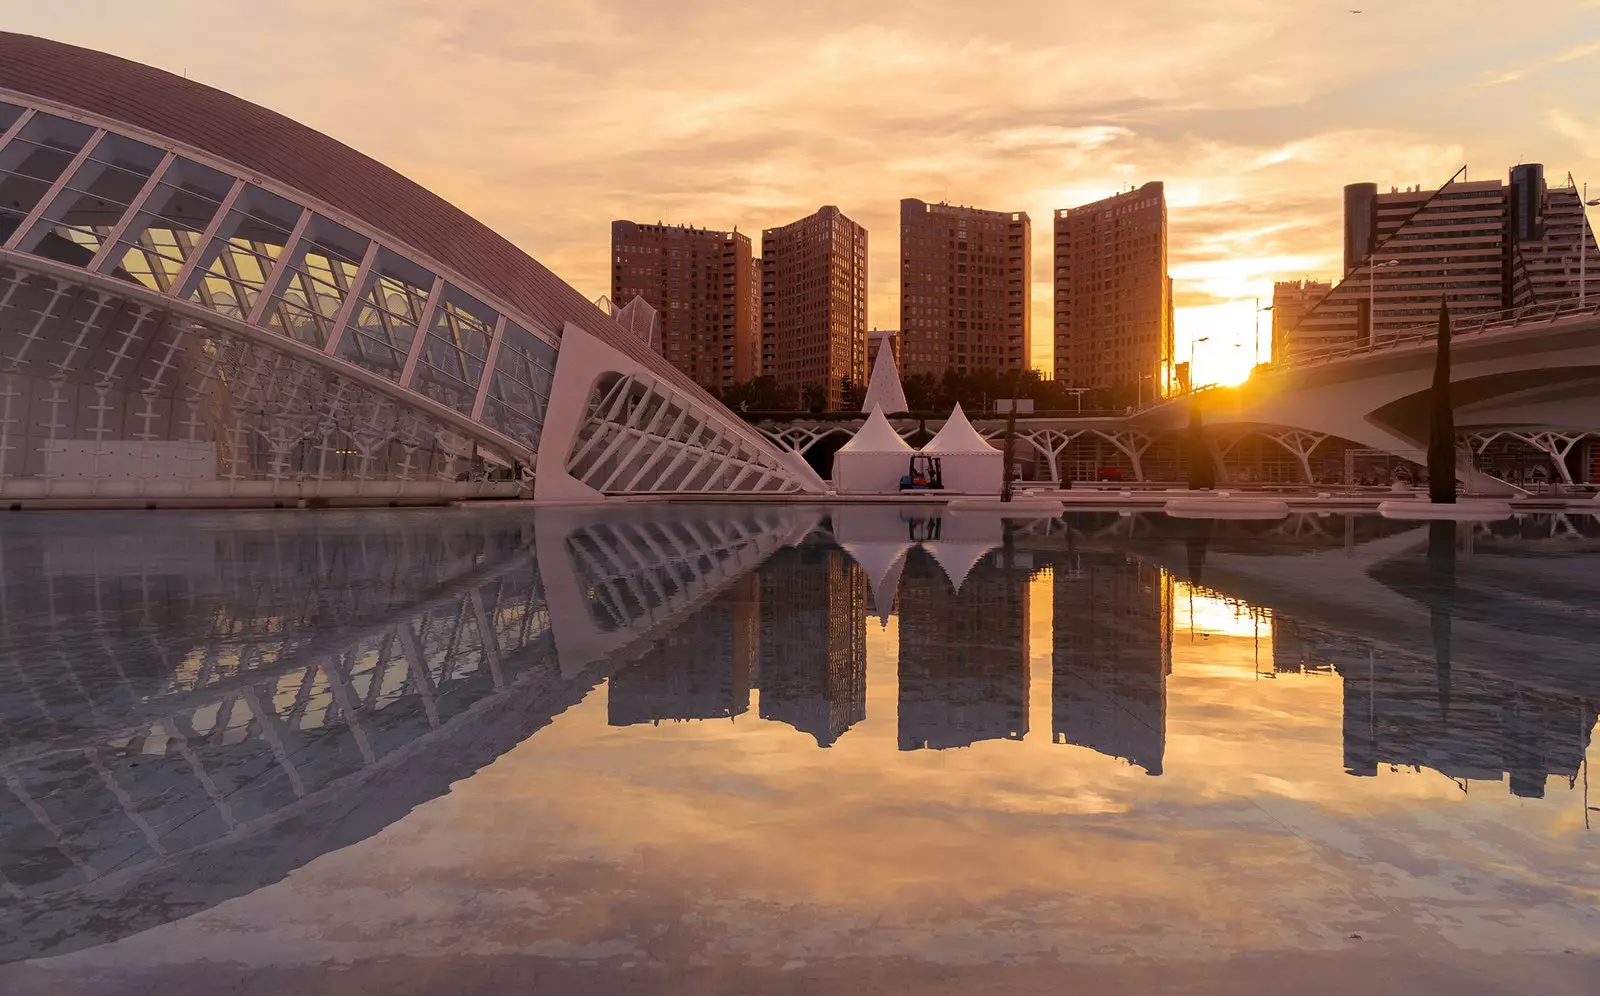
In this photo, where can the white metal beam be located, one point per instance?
(352, 300)
(134, 207)
(177, 288)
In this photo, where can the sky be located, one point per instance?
(547, 119)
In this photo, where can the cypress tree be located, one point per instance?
(1202, 471)
(1442, 420)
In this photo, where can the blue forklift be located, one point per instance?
(924, 474)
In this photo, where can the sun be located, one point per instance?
(1222, 340)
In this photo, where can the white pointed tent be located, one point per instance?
(873, 462)
(875, 537)
(883, 386)
(967, 463)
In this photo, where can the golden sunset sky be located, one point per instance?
(549, 118)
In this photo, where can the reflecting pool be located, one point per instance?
(745, 748)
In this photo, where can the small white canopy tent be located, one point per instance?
(874, 461)
(967, 463)
(883, 387)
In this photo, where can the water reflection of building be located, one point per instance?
(202, 705)
(963, 656)
(1112, 655)
(813, 658)
(1486, 728)
(701, 668)
(1406, 711)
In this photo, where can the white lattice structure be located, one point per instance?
(201, 298)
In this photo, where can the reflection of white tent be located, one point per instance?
(883, 563)
(877, 538)
(883, 387)
(967, 462)
(957, 558)
(873, 462)
(963, 541)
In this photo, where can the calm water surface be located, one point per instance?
(781, 749)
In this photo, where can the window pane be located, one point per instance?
(76, 224)
(167, 230)
(321, 274)
(520, 387)
(32, 161)
(384, 323)
(455, 350)
(235, 268)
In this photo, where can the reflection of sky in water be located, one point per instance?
(1152, 769)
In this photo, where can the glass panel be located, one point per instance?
(167, 230)
(231, 275)
(77, 223)
(384, 323)
(32, 161)
(319, 278)
(520, 386)
(9, 113)
(455, 350)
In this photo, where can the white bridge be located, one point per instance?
(1525, 381)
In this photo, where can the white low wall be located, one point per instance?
(150, 460)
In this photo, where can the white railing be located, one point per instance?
(1532, 315)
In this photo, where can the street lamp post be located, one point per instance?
(1256, 359)
(1584, 203)
(1372, 297)
(1193, 385)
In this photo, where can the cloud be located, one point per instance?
(1501, 77)
(548, 119)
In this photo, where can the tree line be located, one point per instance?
(976, 391)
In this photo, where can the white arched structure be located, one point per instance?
(202, 298)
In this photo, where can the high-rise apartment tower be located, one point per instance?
(965, 291)
(814, 305)
(704, 286)
(1113, 300)
(1481, 246)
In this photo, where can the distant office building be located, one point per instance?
(814, 305)
(963, 655)
(704, 286)
(1482, 246)
(1113, 298)
(1112, 655)
(700, 670)
(966, 291)
(1291, 301)
(813, 661)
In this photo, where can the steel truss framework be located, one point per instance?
(173, 324)
(639, 435)
(124, 252)
(1084, 451)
